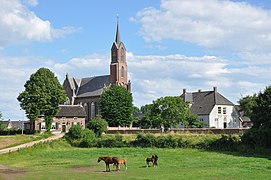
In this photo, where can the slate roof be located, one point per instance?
(203, 102)
(90, 86)
(93, 86)
(71, 111)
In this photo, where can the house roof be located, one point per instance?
(203, 102)
(71, 111)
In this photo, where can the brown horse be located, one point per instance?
(153, 159)
(109, 160)
(122, 161)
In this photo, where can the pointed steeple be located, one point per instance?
(118, 40)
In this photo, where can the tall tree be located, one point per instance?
(169, 112)
(261, 116)
(2, 125)
(117, 106)
(247, 104)
(42, 95)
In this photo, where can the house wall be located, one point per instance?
(61, 124)
(226, 117)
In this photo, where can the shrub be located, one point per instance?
(98, 125)
(166, 142)
(111, 141)
(145, 140)
(88, 138)
(81, 137)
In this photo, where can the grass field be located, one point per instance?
(14, 140)
(57, 160)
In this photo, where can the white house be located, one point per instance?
(213, 108)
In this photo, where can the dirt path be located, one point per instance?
(15, 148)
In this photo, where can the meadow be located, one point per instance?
(58, 160)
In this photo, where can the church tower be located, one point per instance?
(118, 66)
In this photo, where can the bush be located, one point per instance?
(145, 140)
(81, 137)
(257, 138)
(226, 143)
(111, 141)
(166, 142)
(98, 125)
(88, 138)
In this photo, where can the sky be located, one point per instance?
(171, 45)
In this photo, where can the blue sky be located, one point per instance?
(171, 45)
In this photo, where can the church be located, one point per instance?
(87, 91)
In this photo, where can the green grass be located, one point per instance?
(58, 160)
(11, 141)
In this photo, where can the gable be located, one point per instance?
(202, 103)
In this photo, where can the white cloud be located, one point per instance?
(18, 24)
(236, 26)
(31, 2)
(152, 77)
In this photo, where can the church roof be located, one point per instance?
(90, 86)
(117, 39)
(203, 102)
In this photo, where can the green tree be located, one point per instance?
(168, 112)
(247, 104)
(261, 116)
(98, 125)
(2, 125)
(42, 95)
(259, 136)
(117, 106)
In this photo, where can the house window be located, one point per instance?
(53, 126)
(219, 110)
(224, 110)
(42, 125)
(75, 118)
(74, 123)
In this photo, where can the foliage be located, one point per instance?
(136, 116)
(259, 136)
(42, 95)
(2, 124)
(77, 136)
(247, 104)
(261, 116)
(116, 106)
(169, 112)
(111, 141)
(98, 125)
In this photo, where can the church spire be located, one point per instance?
(118, 40)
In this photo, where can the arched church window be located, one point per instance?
(122, 54)
(122, 72)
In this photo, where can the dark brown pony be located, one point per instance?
(109, 160)
(153, 159)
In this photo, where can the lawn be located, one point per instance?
(14, 140)
(57, 160)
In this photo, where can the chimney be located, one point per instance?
(184, 91)
(199, 90)
(215, 89)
